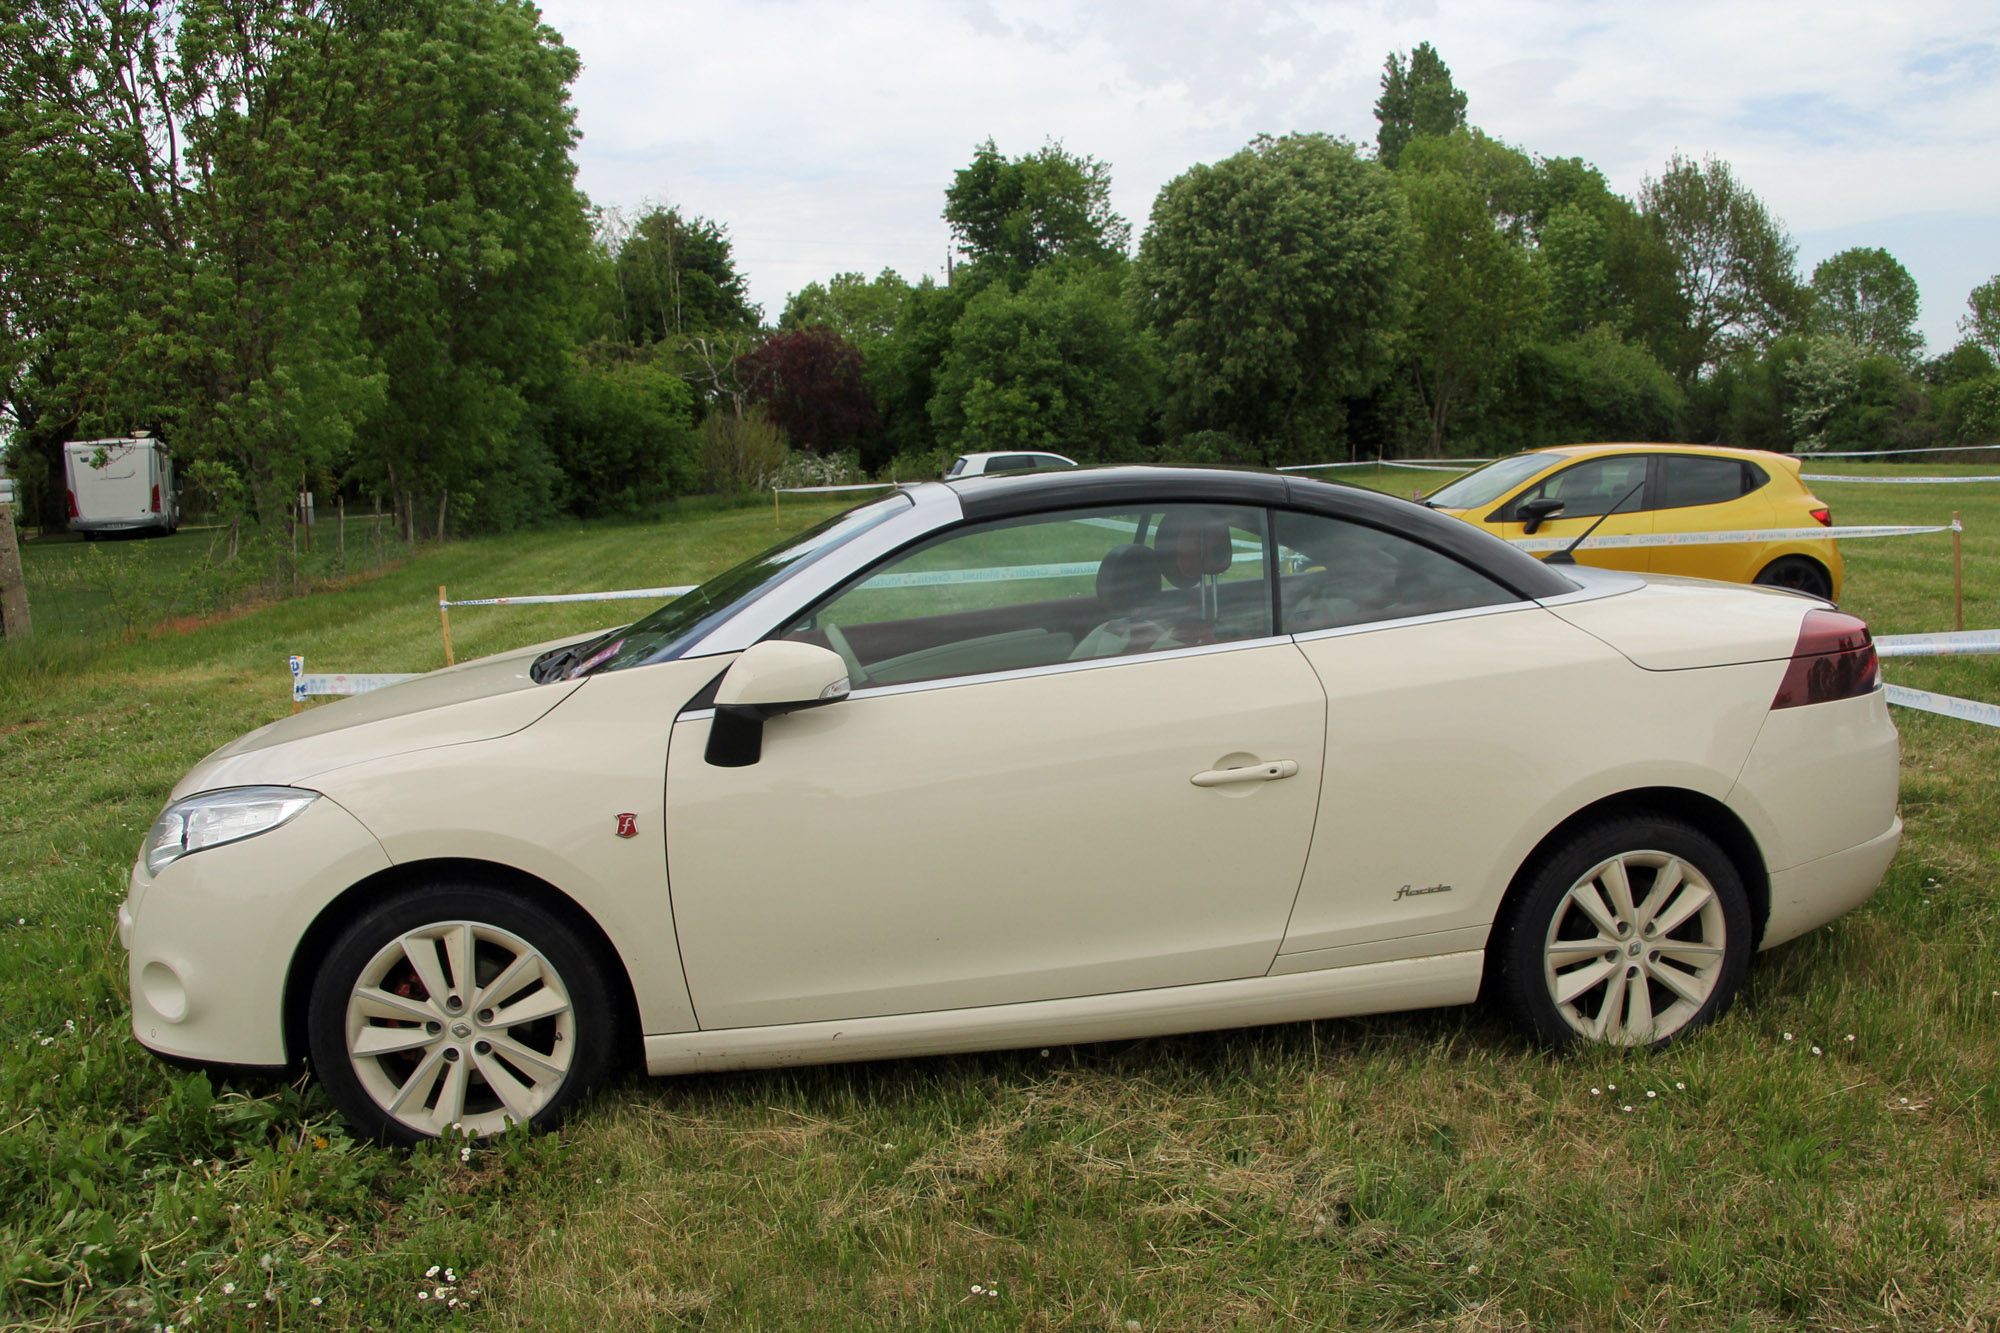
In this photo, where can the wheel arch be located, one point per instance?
(318, 937)
(1704, 812)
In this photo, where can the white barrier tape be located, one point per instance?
(623, 595)
(932, 578)
(304, 685)
(1877, 453)
(1965, 710)
(1951, 643)
(822, 490)
(1892, 481)
(1411, 464)
(1628, 540)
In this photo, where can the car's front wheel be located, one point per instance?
(459, 1009)
(1630, 933)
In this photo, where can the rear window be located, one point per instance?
(1691, 479)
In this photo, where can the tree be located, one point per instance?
(1980, 325)
(1475, 296)
(677, 275)
(1272, 280)
(1866, 297)
(1056, 366)
(622, 431)
(810, 384)
(1418, 98)
(1027, 211)
(1733, 261)
(860, 311)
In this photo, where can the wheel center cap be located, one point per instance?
(460, 1030)
(1632, 949)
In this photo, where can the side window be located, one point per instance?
(1011, 463)
(1591, 488)
(1691, 479)
(957, 466)
(1067, 587)
(1333, 574)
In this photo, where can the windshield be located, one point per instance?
(669, 631)
(1492, 481)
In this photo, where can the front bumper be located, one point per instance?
(212, 939)
(142, 524)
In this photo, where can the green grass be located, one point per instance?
(1409, 1171)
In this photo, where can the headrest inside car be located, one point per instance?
(1128, 578)
(1192, 545)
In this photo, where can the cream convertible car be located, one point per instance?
(1021, 760)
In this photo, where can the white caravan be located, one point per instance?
(120, 485)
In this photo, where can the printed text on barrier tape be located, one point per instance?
(1628, 540)
(1951, 643)
(337, 683)
(623, 595)
(1891, 481)
(1965, 710)
(1412, 464)
(822, 490)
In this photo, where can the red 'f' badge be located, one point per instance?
(628, 826)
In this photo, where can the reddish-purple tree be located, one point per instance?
(810, 382)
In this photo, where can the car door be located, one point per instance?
(1036, 789)
(1456, 713)
(1589, 490)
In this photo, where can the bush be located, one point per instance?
(621, 435)
(740, 453)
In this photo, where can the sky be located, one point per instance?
(822, 133)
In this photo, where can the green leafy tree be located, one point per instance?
(1866, 297)
(861, 311)
(676, 275)
(1056, 366)
(902, 373)
(1023, 212)
(1418, 98)
(1980, 325)
(622, 431)
(1599, 386)
(1734, 264)
(1475, 296)
(1272, 280)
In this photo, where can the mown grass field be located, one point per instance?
(1828, 1156)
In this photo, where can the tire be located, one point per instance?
(1798, 573)
(1577, 958)
(403, 1064)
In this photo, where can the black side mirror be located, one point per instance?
(1534, 512)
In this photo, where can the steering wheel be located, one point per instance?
(856, 677)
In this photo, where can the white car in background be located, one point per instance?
(980, 465)
(1245, 749)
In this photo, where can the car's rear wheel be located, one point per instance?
(459, 1009)
(1799, 573)
(1631, 933)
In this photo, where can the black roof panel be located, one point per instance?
(1006, 496)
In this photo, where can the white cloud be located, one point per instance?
(824, 134)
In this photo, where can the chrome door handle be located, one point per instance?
(1265, 772)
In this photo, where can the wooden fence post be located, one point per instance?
(340, 527)
(444, 619)
(1957, 573)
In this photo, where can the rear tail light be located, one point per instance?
(1834, 659)
(74, 512)
(156, 499)
(1822, 516)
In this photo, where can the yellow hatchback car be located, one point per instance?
(1658, 488)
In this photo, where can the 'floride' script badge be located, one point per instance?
(628, 826)
(1407, 892)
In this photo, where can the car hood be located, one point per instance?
(1666, 623)
(474, 701)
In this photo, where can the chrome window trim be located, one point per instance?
(1401, 622)
(933, 505)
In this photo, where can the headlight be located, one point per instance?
(215, 817)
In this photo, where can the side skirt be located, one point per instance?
(1367, 988)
